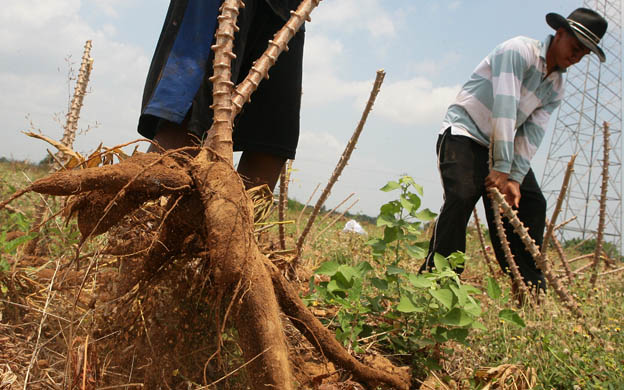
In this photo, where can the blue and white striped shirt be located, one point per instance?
(509, 95)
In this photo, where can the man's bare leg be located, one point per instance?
(171, 135)
(257, 168)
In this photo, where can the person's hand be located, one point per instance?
(497, 179)
(512, 193)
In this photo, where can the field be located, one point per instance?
(74, 315)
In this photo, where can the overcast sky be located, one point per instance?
(428, 49)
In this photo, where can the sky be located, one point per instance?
(428, 49)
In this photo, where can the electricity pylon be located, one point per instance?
(593, 96)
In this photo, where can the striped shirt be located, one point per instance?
(508, 95)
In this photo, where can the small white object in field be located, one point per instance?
(354, 227)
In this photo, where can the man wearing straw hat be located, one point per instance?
(177, 97)
(508, 99)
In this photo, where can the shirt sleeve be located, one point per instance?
(528, 138)
(508, 66)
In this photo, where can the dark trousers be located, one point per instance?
(463, 165)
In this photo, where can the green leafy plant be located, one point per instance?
(15, 222)
(386, 303)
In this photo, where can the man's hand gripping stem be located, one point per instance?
(509, 188)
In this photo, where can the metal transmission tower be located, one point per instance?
(593, 96)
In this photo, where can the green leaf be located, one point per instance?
(418, 250)
(379, 246)
(422, 343)
(444, 296)
(425, 215)
(433, 365)
(419, 281)
(381, 284)
(457, 259)
(407, 205)
(390, 186)
(391, 234)
(386, 220)
(418, 188)
(440, 262)
(461, 295)
(456, 317)
(390, 208)
(406, 306)
(394, 270)
(333, 287)
(493, 289)
(364, 267)
(414, 200)
(328, 268)
(458, 334)
(4, 265)
(406, 179)
(473, 308)
(511, 316)
(347, 272)
(440, 334)
(12, 245)
(478, 325)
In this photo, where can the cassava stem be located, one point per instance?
(562, 193)
(71, 125)
(529, 243)
(305, 207)
(562, 257)
(502, 237)
(283, 201)
(221, 141)
(336, 219)
(486, 257)
(333, 211)
(567, 221)
(277, 45)
(603, 202)
(341, 163)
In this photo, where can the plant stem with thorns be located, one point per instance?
(341, 164)
(71, 125)
(603, 204)
(486, 256)
(531, 247)
(283, 201)
(562, 193)
(517, 278)
(260, 68)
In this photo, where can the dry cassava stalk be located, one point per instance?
(603, 204)
(283, 201)
(486, 256)
(562, 257)
(562, 194)
(71, 125)
(529, 243)
(298, 223)
(333, 211)
(341, 163)
(562, 224)
(518, 280)
(336, 219)
(221, 142)
(277, 45)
